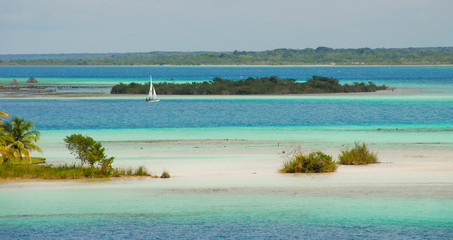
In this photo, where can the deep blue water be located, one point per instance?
(58, 114)
(130, 227)
(386, 74)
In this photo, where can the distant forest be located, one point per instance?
(320, 55)
(249, 86)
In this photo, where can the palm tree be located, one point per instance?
(5, 151)
(5, 148)
(19, 136)
(3, 114)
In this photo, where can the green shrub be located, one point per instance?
(165, 174)
(88, 151)
(315, 162)
(358, 155)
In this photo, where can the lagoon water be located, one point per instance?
(349, 204)
(51, 114)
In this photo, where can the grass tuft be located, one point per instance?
(165, 174)
(141, 171)
(314, 162)
(359, 155)
(33, 171)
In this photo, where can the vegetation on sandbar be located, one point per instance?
(90, 152)
(319, 162)
(165, 174)
(358, 155)
(314, 162)
(18, 138)
(66, 171)
(249, 86)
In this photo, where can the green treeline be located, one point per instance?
(320, 55)
(263, 85)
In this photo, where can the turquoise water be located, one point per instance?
(243, 207)
(137, 212)
(115, 74)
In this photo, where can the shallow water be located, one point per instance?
(138, 210)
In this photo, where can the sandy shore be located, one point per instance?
(240, 166)
(241, 158)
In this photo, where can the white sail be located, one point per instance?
(152, 92)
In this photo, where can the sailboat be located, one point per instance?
(152, 92)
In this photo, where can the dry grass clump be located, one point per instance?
(314, 162)
(358, 155)
(165, 174)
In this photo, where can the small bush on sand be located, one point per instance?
(358, 155)
(315, 162)
(165, 174)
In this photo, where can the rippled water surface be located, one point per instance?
(140, 211)
(100, 114)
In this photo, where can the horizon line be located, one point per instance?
(226, 51)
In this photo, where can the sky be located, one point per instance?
(109, 26)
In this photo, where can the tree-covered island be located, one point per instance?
(249, 86)
(284, 56)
